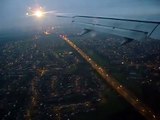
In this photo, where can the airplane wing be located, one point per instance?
(127, 28)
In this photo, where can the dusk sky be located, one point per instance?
(12, 12)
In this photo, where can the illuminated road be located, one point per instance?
(127, 95)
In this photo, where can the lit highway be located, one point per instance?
(120, 89)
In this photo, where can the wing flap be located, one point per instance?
(136, 35)
(85, 31)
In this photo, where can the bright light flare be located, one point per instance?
(38, 13)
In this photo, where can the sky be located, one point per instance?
(13, 12)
